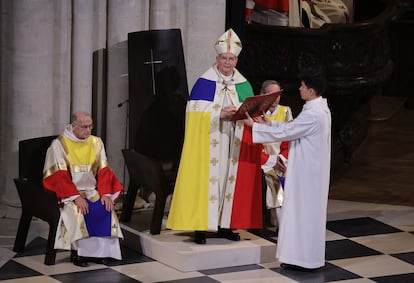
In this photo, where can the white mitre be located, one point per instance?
(228, 42)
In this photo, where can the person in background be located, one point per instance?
(302, 231)
(267, 12)
(218, 186)
(77, 170)
(298, 13)
(276, 154)
(316, 13)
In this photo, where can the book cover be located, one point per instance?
(256, 105)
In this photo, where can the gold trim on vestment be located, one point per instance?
(215, 124)
(114, 225)
(95, 197)
(54, 168)
(80, 168)
(102, 164)
(229, 41)
(213, 199)
(79, 219)
(62, 142)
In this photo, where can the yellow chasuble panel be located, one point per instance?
(195, 162)
(280, 115)
(80, 153)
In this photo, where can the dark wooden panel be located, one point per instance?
(99, 92)
(355, 56)
(158, 93)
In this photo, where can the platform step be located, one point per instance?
(177, 249)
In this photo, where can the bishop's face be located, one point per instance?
(226, 62)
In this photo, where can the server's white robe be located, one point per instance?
(301, 239)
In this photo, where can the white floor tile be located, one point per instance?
(34, 279)
(374, 266)
(388, 243)
(253, 276)
(63, 265)
(148, 272)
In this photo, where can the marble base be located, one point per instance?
(177, 249)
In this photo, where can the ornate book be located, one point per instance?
(256, 105)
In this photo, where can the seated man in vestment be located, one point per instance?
(76, 169)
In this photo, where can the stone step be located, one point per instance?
(177, 249)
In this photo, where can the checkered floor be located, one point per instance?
(365, 243)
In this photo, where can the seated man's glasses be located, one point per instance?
(85, 127)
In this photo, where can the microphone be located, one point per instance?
(123, 102)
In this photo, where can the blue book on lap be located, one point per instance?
(98, 220)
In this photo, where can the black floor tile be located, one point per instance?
(267, 234)
(407, 257)
(357, 227)
(36, 247)
(203, 279)
(328, 273)
(129, 256)
(340, 249)
(230, 269)
(94, 276)
(400, 278)
(337, 249)
(14, 270)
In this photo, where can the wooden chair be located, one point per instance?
(35, 200)
(149, 174)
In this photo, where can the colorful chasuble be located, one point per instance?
(275, 180)
(283, 114)
(75, 168)
(81, 153)
(71, 167)
(200, 200)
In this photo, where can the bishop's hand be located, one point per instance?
(228, 112)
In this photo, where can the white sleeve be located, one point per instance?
(284, 131)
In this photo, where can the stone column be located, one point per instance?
(35, 88)
(89, 34)
(123, 17)
(201, 23)
(200, 35)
